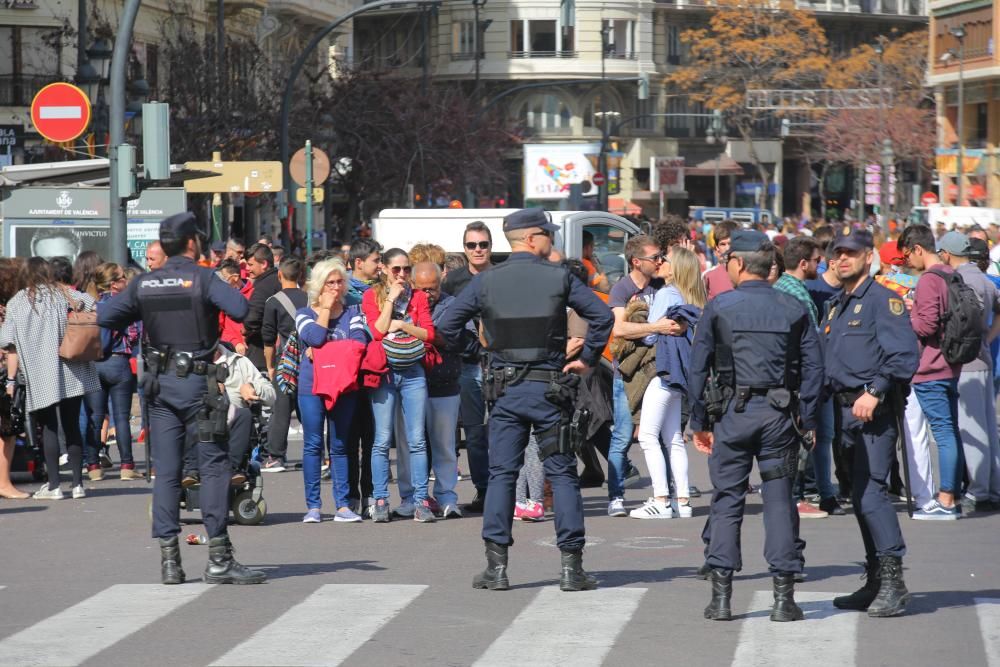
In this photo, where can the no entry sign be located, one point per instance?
(598, 179)
(60, 112)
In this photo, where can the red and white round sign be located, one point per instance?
(928, 198)
(60, 112)
(598, 179)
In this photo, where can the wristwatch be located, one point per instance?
(880, 395)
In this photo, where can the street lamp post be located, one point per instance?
(716, 129)
(959, 34)
(885, 187)
(477, 4)
(602, 160)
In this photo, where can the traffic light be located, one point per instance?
(156, 140)
(125, 173)
(499, 202)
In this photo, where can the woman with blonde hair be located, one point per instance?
(399, 317)
(326, 318)
(661, 404)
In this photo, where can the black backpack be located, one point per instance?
(963, 324)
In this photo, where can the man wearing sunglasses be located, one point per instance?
(523, 304)
(477, 242)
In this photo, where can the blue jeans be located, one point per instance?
(313, 413)
(473, 411)
(408, 386)
(939, 401)
(442, 420)
(822, 454)
(621, 438)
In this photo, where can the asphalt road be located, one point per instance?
(79, 586)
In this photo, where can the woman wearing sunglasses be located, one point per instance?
(399, 317)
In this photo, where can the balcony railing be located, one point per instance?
(17, 90)
(622, 55)
(542, 54)
(463, 55)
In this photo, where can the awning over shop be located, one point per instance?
(972, 161)
(727, 166)
(620, 206)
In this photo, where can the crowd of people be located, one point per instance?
(346, 339)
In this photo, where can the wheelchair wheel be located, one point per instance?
(247, 511)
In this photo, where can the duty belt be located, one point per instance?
(530, 376)
(182, 363)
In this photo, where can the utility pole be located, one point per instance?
(220, 47)
(885, 174)
(959, 34)
(116, 121)
(477, 4)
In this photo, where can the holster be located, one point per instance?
(788, 467)
(566, 437)
(213, 418)
(493, 385)
(716, 399)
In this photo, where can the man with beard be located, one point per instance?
(802, 257)
(871, 351)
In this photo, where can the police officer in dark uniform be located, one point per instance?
(757, 343)
(523, 304)
(179, 306)
(871, 356)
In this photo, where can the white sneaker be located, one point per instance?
(682, 511)
(45, 493)
(63, 460)
(79, 492)
(405, 508)
(617, 507)
(652, 509)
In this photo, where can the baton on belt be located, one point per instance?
(898, 411)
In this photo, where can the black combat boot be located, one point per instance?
(494, 577)
(704, 572)
(892, 594)
(785, 609)
(171, 571)
(722, 593)
(222, 568)
(573, 577)
(860, 599)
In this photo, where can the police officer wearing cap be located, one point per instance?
(179, 305)
(752, 346)
(522, 303)
(871, 355)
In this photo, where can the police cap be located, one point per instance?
(529, 218)
(854, 239)
(179, 226)
(747, 240)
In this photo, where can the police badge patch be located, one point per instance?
(896, 306)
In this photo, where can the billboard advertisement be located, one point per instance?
(549, 169)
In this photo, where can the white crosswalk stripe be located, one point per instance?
(553, 628)
(559, 628)
(988, 611)
(102, 621)
(827, 633)
(284, 644)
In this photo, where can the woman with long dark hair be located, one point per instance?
(400, 318)
(10, 283)
(34, 327)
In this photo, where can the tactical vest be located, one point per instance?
(176, 312)
(735, 334)
(524, 311)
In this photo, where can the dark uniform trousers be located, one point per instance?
(764, 433)
(173, 416)
(522, 408)
(874, 451)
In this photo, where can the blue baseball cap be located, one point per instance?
(528, 218)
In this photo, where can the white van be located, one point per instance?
(953, 217)
(406, 227)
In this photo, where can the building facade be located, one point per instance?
(963, 54)
(563, 69)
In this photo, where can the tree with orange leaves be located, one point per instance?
(752, 44)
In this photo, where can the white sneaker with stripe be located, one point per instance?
(652, 509)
